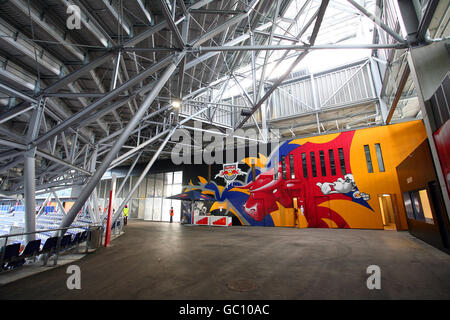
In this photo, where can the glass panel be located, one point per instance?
(379, 157)
(426, 206)
(141, 209)
(408, 206)
(178, 177)
(126, 187)
(168, 177)
(150, 186)
(332, 163)
(342, 161)
(148, 214)
(167, 203)
(142, 188)
(167, 190)
(133, 183)
(134, 205)
(417, 206)
(159, 185)
(176, 189)
(322, 163)
(313, 164)
(291, 166)
(100, 189)
(305, 167)
(283, 167)
(108, 187)
(118, 183)
(176, 204)
(368, 159)
(157, 209)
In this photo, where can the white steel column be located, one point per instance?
(30, 174)
(30, 196)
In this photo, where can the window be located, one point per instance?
(332, 164)
(291, 166)
(368, 159)
(305, 167)
(342, 161)
(379, 157)
(322, 163)
(313, 164)
(168, 177)
(283, 167)
(276, 168)
(417, 206)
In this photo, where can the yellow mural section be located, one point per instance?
(284, 217)
(259, 162)
(317, 139)
(397, 141)
(354, 214)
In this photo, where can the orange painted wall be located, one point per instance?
(397, 142)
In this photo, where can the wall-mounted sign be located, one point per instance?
(230, 172)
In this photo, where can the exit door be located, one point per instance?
(388, 211)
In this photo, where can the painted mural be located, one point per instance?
(317, 182)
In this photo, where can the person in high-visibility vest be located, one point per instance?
(125, 215)
(171, 214)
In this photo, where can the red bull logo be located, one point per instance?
(230, 172)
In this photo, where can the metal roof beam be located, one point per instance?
(52, 30)
(377, 21)
(398, 93)
(171, 23)
(108, 97)
(210, 34)
(121, 19)
(319, 20)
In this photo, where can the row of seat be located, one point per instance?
(6, 208)
(12, 257)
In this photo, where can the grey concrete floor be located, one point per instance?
(171, 261)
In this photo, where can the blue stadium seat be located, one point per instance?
(31, 250)
(11, 252)
(49, 248)
(84, 236)
(76, 239)
(49, 245)
(66, 241)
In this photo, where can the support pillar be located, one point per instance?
(429, 65)
(30, 174)
(96, 214)
(30, 196)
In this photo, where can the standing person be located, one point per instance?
(125, 215)
(171, 214)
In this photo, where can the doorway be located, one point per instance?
(387, 208)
